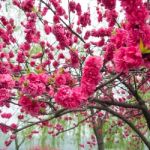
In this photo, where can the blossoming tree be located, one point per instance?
(65, 58)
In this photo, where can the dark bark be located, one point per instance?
(141, 102)
(143, 138)
(98, 131)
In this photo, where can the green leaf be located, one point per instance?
(35, 49)
(143, 48)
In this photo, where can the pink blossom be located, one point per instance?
(6, 81)
(33, 84)
(44, 11)
(34, 89)
(72, 6)
(91, 75)
(69, 97)
(109, 4)
(94, 61)
(111, 16)
(63, 78)
(25, 46)
(4, 128)
(74, 58)
(60, 34)
(8, 142)
(60, 80)
(30, 106)
(56, 19)
(87, 89)
(109, 51)
(84, 19)
(27, 5)
(78, 9)
(21, 57)
(6, 115)
(4, 94)
(60, 11)
(127, 58)
(47, 29)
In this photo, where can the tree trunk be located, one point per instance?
(97, 127)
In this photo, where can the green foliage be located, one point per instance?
(35, 49)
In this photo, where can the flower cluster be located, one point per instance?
(91, 75)
(73, 97)
(130, 43)
(84, 19)
(6, 33)
(109, 4)
(32, 35)
(69, 97)
(33, 84)
(63, 78)
(74, 58)
(60, 34)
(127, 58)
(31, 106)
(6, 84)
(27, 5)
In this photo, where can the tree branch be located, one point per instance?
(109, 81)
(126, 121)
(115, 103)
(77, 35)
(80, 122)
(141, 102)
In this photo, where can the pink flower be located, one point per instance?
(69, 97)
(94, 61)
(87, 89)
(64, 78)
(33, 84)
(91, 75)
(27, 5)
(84, 19)
(60, 11)
(127, 58)
(30, 88)
(47, 29)
(78, 9)
(30, 106)
(72, 6)
(60, 34)
(44, 11)
(24, 101)
(4, 94)
(60, 80)
(21, 57)
(43, 78)
(111, 16)
(74, 58)
(4, 129)
(109, 4)
(6, 81)
(56, 19)
(25, 46)
(109, 51)
(34, 89)
(8, 142)
(6, 115)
